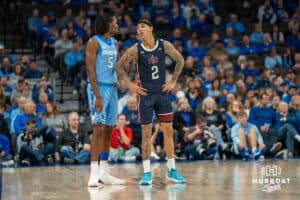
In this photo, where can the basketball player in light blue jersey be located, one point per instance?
(101, 57)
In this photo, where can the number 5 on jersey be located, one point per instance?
(110, 62)
(154, 70)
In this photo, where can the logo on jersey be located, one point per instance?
(109, 52)
(153, 60)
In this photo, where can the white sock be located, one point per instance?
(94, 166)
(297, 137)
(253, 150)
(103, 167)
(146, 165)
(171, 163)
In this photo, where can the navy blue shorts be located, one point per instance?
(158, 102)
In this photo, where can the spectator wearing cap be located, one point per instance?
(33, 72)
(246, 47)
(273, 60)
(235, 24)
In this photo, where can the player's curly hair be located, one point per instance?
(102, 23)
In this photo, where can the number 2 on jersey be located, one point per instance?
(154, 70)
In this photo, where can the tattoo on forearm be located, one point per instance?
(146, 141)
(175, 55)
(123, 63)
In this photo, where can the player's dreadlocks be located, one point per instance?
(102, 23)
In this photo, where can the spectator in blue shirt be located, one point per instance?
(30, 112)
(246, 47)
(286, 127)
(4, 148)
(207, 8)
(235, 24)
(266, 46)
(33, 23)
(33, 72)
(289, 58)
(257, 36)
(197, 51)
(265, 120)
(201, 26)
(281, 12)
(247, 137)
(177, 36)
(229, 84)
(231, 49)
(175, 18)
(273, 60)
(229, 36)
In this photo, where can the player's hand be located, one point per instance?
(169, 86)
(120, 85)
(98, 104)
(135, 88)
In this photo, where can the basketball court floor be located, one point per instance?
(211, 180)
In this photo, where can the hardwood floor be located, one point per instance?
(206, 180)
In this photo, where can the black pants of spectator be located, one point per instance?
(179, 143)
(35, 156)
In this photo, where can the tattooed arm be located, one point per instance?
(130, 55)
(176, 56)
(91, 51)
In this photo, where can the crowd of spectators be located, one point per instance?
(238, 94)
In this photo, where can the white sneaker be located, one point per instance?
(154, 155)
(108, 179)
(94, 181)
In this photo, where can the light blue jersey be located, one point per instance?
(106, 60)
(106, 77)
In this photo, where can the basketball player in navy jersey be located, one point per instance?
(149, 55)
(101, 56)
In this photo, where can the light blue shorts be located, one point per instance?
(109, 113)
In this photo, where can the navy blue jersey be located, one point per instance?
(151, 67)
